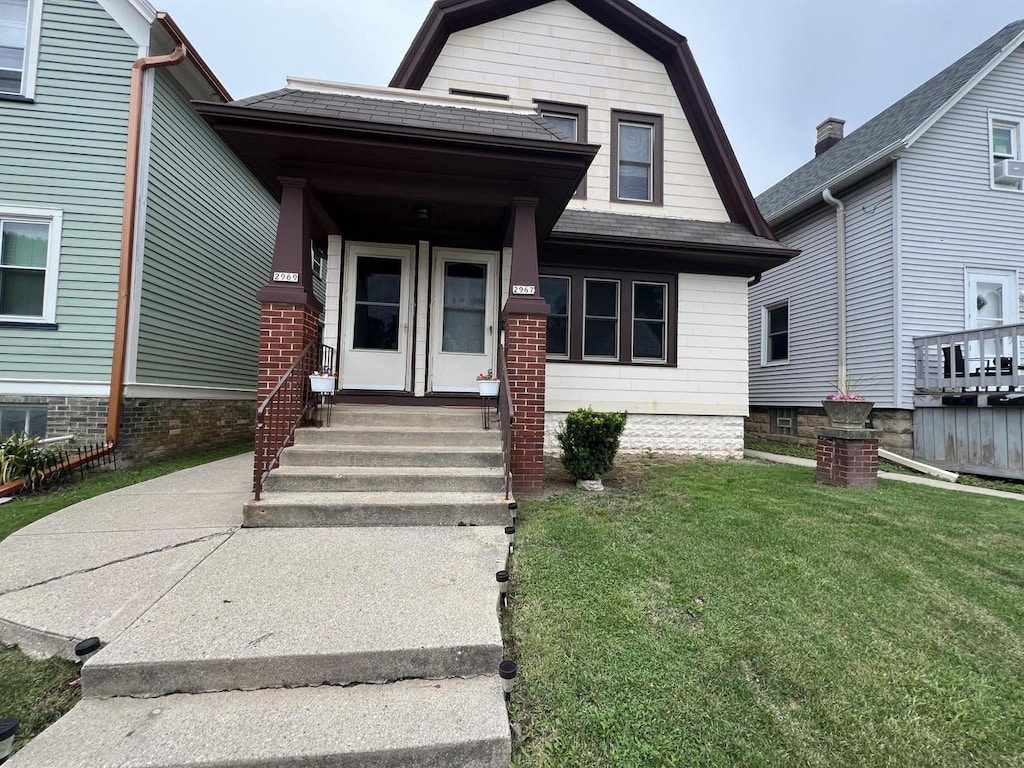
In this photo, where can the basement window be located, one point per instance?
(782, 421)
(15, 420)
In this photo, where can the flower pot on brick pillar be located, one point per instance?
(852, 414)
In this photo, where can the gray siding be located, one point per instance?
(67, 151)
(808, 282)
(209, 237)
(952, 220)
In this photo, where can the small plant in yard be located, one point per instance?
(21, 458)
(845, 390)
(589, 441)
(489, 376)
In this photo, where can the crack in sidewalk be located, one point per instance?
(225, 533)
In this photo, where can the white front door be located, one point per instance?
(377, 298)
(991, 301)
(463, 326)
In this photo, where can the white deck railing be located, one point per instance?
(982, 359)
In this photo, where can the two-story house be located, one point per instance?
(132, 240)
(911, 232)
(550, 173)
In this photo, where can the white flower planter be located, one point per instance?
(489, 388)
(323, 383)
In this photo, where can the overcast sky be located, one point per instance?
(775, 68)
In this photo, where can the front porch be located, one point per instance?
(969, 402)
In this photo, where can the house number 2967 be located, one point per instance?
(524, 290)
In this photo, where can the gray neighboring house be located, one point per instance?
(929, 196)
(133, 240)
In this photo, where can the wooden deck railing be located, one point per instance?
(978, 360)
(290, 404)
(506, 412)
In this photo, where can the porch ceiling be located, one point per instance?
(369, 177)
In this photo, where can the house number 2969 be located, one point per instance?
(524, 290)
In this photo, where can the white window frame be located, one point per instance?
(30, 63)
(664, 325)
(1014, 122)
(617, 318)
(55, 219)
(765, 340)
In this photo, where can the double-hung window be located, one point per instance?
(19, 35)
(1005, 138)
(637, 157)
(610, 317)
(569, 122)
(29, 249)
(775, 339)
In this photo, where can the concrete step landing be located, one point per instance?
(416, 723)
(390, 456)
(408, 479)
(432, 437)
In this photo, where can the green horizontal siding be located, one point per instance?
(67, 151)
(209, 238)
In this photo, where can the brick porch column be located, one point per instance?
(847, 458)
(289, 314)
(525, 316)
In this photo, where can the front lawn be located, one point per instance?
(738, 614)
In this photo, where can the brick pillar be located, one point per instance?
(847, 458)
(525, 341)
(285, 330)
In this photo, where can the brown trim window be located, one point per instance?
(603, 317)
(555, 291)
(569, 121)
(637, 157)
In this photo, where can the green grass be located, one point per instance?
(738, 614)
(35, 692)
(27, 508)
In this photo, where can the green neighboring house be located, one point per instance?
(129, 316)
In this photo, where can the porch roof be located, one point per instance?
(374, 165)
(654, 242)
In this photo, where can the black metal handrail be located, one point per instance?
(289, 405)
(506, 412)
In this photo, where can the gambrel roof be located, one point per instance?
(642, 30)
(873, 144)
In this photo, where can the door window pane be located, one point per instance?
(600, 318)
(649, 321)
(555, 291)
(465, 307)
(378, 303)
(989, 300)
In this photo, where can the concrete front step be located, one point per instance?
(412, 479)
(451, 723)
(405, 416)
(468, 437)
(390, 456)
(305, 607)
(373, 508)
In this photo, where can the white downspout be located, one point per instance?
(842, 377)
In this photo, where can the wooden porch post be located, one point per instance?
(525, 314)
(290, 311)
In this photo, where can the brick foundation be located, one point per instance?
(847, 458)
(153, 428)
(525, 340)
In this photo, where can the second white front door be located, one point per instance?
(377, 300)
(463, 325)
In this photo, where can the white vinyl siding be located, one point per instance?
(953, 221)
(710, 378)
(556, 52)
(808, 282)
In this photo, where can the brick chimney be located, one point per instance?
(829, 132)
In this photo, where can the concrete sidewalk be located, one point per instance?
(93, 568)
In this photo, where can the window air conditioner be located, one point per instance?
(1009, 171)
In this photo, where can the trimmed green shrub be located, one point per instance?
(590, 440)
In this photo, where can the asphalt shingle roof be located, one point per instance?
(402, 113)
(689, 231)
(885, 129)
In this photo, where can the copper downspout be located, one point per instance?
(128, 219)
